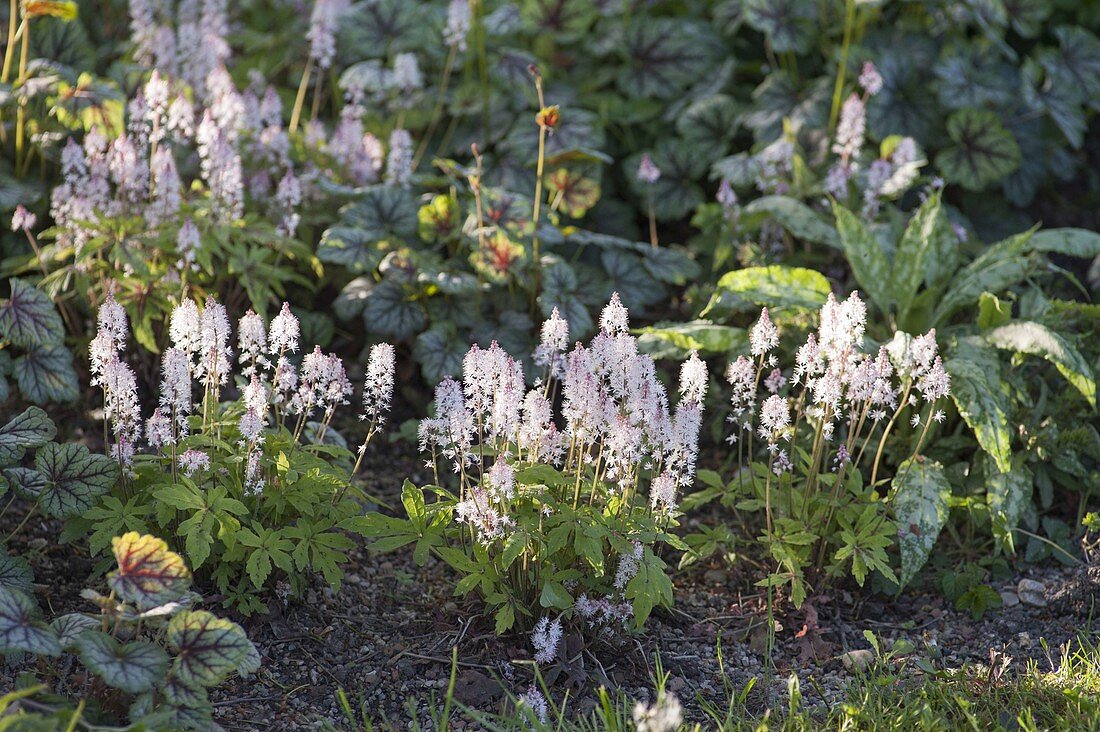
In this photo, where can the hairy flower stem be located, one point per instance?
(300, 99)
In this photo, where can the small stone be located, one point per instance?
(1009, 598)
(1032, 593)
(857, 660)
(1023, 640)
(714, 577)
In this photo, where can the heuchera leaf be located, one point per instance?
(921, 495)
(208, 648)
(390, 310)
(20, 626)
(28, 318)
(665, 56)
(31, 428)
(46, 375)
(789, 24)
(984, 152)
(15, 573)
(132, 667)
(148, 574)
(75, 478)
(72, 626)
(439, 353)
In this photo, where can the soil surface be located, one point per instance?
(386, 636)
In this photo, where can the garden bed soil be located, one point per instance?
(386, 636)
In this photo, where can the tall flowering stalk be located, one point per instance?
(824, 422)
(608, 467)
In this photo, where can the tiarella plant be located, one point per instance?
(146, 653)
(549, 518)
(812, 436)
(254, 489)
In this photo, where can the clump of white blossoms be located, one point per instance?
(851, 399)
(622, 448)
(200, 361)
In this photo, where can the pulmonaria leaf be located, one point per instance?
(979, 393)
(133, 667)
(28, 318)
(439, 352)
(572, 192)
(790, 25)
(678, 340)
(47, 375)
(801, 221)
(666, 55)
(775, 286)
(71, 627)
(148, 574)
(390, 309)
(208, 648)
(75, 478)
(15, 573)
(31, 428)
(1038, 340)
(983, 152)
(1008, 495)
(921, 496)
(21, 629)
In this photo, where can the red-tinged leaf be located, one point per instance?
(148, 573)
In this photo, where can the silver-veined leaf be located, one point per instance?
(31, 428)
(28, 318)
(46, 375)
(133, 667)
(983, 151)
(208, 648)
(75, 478)
(439, 352)
(72, 626)
(389, 310)
(790, 25)
(15, 573)
(21, 628)
(666, 55)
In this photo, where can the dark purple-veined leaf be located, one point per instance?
(561, 290)
(46, 375)
(188, 704)
(790, 25)
(72, 626)
(207, 648)
(75, 478)
(565, 20)
(21, 628)
(665, 56)
(1077, 62)
(28, 483)
(390, 309)
(676, 193)
(975, 76)
(15, 573)
(133, 667)
(711, 120)
(983, 152)
(904, 105)
(148, 574)
(28, 318)
(439, 352)
(627, 276)
(31, 428)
